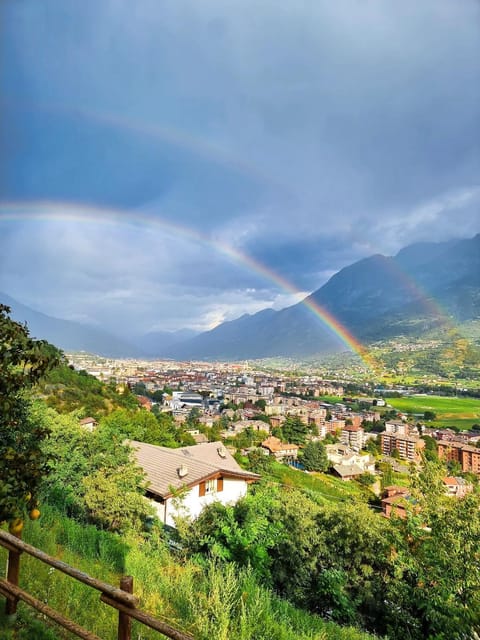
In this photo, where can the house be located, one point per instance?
(347, 471)
(342, 456)
(89, 424)
(395, 501)
(241, 425)
(457, 487)
(334, 425)
(145, 402)
(197, 436)
(182, 482)
(317, 417)
(397, 426)
(281, 450)
(277, 421)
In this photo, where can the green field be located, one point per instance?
(326, 487)
(461, 412)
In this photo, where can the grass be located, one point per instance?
(326, 487)
(213, 602)
(330, 399)
(462, 412)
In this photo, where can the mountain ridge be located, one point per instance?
(67, 334)
(423, 286)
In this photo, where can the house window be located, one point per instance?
(210, 486)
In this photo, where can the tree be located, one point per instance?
(366, 479)
(193, 417)
(430, 451)
(23, 362)
(387, 474)
(141, 425)
(429, 415)
(114, 498)
(243, 533)
(373, 447)
(92, 476)
(294, 430)
(259, 462)
(435, 586)
(314, 457)
(347, 583)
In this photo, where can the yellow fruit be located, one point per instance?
(15, 527)
(28, 497)
(34, 514)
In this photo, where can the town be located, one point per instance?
(245, 408)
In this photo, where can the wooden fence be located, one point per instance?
(121, 598)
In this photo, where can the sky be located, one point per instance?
(168, 164)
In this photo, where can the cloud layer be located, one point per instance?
(305, 135)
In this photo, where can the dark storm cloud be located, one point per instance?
(306, 135)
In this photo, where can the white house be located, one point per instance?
(181, 482)
(342, 456)
(89, 424)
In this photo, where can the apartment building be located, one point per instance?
(466, 455)
(397, 426)
(408, 447)
(353, 437)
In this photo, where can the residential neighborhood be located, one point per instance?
(244, 409)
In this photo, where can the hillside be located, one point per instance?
(68, 335)
(66, 390)
(207, 601)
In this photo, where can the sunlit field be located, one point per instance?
(461, 412)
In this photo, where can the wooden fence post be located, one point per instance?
(13, 572)
(124, 620)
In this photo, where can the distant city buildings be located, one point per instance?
(236, 395)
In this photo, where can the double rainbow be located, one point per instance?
(61, 211)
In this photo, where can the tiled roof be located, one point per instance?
(169, 469)
(348, 470)
(275, 444)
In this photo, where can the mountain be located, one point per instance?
(68, 335)
(424, 286)
(157, 342)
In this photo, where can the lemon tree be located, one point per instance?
(23, 361)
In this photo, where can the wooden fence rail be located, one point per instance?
(121, 598)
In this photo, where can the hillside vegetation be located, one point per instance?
(295, 558)
(66, 390)
(210, 600)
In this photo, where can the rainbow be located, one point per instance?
(170, 135)
(419, 294)
(61, 211)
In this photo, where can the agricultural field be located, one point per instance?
(449, 411)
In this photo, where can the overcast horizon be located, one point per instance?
(175, 165)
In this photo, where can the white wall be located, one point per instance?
(191, 504)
